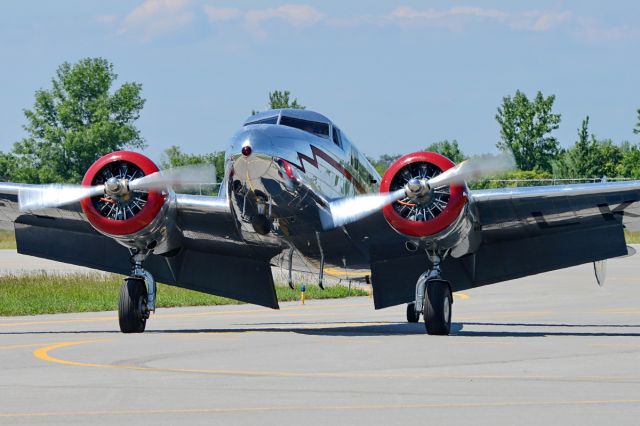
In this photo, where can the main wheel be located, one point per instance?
(412, 315)
(437, 307)
(131, 308)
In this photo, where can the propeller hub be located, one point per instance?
(115, 187)
(418, 189)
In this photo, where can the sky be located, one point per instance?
(394, 75)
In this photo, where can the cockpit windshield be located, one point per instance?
(314, 127)
(268, 120)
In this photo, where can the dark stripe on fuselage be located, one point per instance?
(317, 152)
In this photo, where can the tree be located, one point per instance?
(75, 122)
(174, 157)
(636, 130)
(281, 99)
(383, 162)
(7, 165)
(512, 179)
(589, 157)
(577, 161)
(451, 150)
(629, 165)
(525, 128)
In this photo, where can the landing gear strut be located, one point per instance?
(433, 300)
(137, 297)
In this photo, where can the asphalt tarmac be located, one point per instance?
(548, 349)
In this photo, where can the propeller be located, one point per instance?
(56, 195)
(348, 210)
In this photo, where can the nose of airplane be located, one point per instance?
(252, 154)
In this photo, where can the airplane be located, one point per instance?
(297, 193)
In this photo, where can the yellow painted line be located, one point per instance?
(43, 352)
(614, 345)
(633, 309)
(25, 345)
(59, 321)
(476, 343)
(337, 272)
(343, 340)
(460, 295)
(504, 315)
(44, 355)
(361, 407)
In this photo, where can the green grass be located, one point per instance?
(7, 239)
(632, 237)
(48, 294)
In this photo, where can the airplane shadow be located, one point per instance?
(403, 329)
(352, 329)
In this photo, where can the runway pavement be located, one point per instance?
(549, 349)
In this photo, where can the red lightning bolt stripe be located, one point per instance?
(317, 152)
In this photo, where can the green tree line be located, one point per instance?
(526, 131)
(83, 116)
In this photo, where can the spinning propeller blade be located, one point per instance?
(348, 210)
(56, 195)
(183, 177)
(473, 169)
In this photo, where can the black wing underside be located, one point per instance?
(523, 232)
(212, 259)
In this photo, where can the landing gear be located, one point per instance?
(412, 314)
(137, 297)
(433, 300)
(132, 309)
(437, 308)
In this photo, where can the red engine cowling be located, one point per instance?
(422, 221)
(141, 219)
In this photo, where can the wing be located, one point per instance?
(531, 230)
(521, 232)
(210, 258)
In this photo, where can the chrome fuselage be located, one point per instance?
(276, 192)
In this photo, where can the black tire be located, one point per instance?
(133, 298)
(437, 308)
(412, 315)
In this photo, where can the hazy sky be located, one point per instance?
(395, 76)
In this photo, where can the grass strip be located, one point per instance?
(48, 294)
(7, 239)
(632, 237)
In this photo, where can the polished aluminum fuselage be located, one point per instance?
(320, 171)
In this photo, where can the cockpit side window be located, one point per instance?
(313, 127)
(336, 136)
(268, 120)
